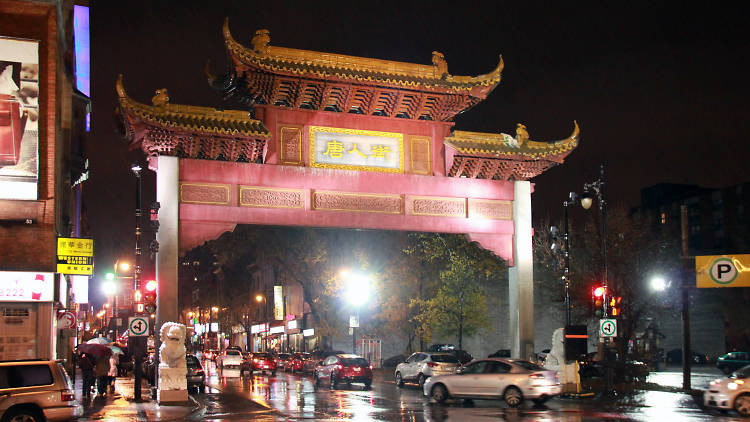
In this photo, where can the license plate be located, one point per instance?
(357, 369)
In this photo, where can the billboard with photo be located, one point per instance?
(19, 118)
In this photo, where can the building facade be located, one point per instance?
(43, 124)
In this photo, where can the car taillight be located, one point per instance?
(255, 360)
(339, 367)
(371, 367)
(432, 364)
(67, 395)
(536, 376)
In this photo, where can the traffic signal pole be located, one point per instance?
(138, 343)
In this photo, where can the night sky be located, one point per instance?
(660, 91)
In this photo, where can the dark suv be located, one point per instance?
(36, 390)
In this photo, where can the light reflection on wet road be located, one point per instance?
(294, 397)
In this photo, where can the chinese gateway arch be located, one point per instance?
(330, 140)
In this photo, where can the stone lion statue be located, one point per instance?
(556, 356)
(172, 350)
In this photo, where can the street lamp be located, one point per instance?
(357, 293)
(260, 298)
(659, 284)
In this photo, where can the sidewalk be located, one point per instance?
(121, 406)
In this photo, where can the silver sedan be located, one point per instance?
(508, 379)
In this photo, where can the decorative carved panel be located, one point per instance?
(364, 202)
(421, 162)
(290, 140)
(252, 196)
(492, 209)
(204, 193)
(439, 207)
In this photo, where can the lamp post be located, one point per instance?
(566, 252)
(597, 188)
(139, 343)
(357, 292)
(111, 290)
(260, 298)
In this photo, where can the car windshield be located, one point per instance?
(192, 361)
(354, 361)
(741, 373)
(528, 365)
(444, 358)
(233, 353)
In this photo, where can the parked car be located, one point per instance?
(462, 355)
(281, 360)
(622, 371)
(229, 359)
(732, 392)
(501, 353)
(297, 362)
(308, 367)
(421, 365)
(541, 356)
(440, 347)
(210, 355)
(346, 368)
(196, 377)
(37, 390)
(510, 380)
(733, 361)
(675, 356)
(259, 361)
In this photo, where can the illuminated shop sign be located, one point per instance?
(26, 286)
(19, 118)
(278, 302)
(75, 256)
(80, 288)
(356, 149)
(309, 332)
(277, 330)
(259, 328)
(292, 325)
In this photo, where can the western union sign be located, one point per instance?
(75, 256)
(722, 271)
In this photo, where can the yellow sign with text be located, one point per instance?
(75, 256)
(722, 271)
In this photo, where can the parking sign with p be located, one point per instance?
(722, 271)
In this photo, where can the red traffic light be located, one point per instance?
(151, 286)
(599, 291)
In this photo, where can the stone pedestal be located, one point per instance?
(172, 386)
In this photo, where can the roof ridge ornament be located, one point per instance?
(261, 40)
(440, 65)
(161, 98)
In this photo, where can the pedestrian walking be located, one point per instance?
(101, 371)
(86, 363)
(114, 360)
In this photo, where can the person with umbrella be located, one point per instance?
(86, 363)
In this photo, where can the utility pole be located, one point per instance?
(686, 353)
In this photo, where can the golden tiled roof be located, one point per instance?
(294, 61)
(497, 145)
(193, 118)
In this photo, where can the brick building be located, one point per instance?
(44, 107)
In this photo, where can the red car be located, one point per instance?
(346, 368)
(260, 361)
(297, 363)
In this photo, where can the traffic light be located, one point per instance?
(149, 298)
(138, 301)
(597, 294)
(614, 306)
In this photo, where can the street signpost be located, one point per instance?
(138, 326)
(66, 320)
(608, 327)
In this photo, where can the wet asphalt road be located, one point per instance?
(294, 397)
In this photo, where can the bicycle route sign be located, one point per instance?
(608, 327)
(138, 326)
